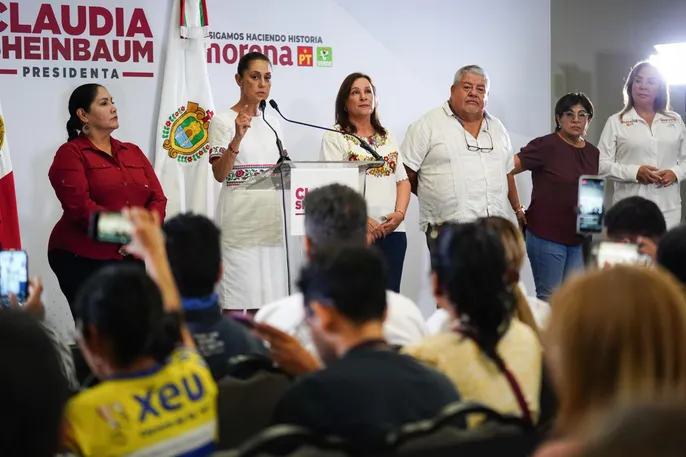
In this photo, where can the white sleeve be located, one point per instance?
(221, 135)
(404, 324)
(438, 322)
(400, 173)
(334, 147)
(509, 158)
(608, 165)
(680, 168)
(416, 144)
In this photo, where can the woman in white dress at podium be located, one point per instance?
(242, 146)
(387, 188)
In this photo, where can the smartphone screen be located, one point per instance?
(608, 254)
(110, 227)
(244, 319)
(591, 205)
(14, 276)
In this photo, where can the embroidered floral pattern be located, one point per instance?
(390, 163)
(377, 140)
(391, 160)
(217, 151)
(241, 173)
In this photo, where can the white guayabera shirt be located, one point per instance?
(456, 184)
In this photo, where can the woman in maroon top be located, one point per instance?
(556, 162)
(94, 172)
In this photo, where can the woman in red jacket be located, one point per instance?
(94, 172)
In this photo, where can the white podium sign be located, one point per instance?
(304, 180)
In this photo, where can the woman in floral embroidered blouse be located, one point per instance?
(387, 188)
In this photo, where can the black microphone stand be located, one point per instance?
(363, 144)
(282, 153)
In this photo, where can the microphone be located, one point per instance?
(363, 144)
(282, 154)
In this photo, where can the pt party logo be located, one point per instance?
(66, 41)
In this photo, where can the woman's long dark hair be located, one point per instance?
(470, 263)
(82, 98)
(342, 117)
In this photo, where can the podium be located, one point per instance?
(289, 182)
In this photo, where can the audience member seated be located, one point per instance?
(530, 310)
(515, 252)
(653, 430)
(366, 389)
(157, 397)
(194, 250)
(33, 389)
(491, 357)
(671, 253)
(616, 338)
(632, 218)
(34, 306)
(338, 214)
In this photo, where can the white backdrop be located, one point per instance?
(411, 49)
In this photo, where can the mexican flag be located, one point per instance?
(186, 109)
(9, 219)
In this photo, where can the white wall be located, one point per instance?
(410, 49)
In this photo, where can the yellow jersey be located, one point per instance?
(168, 410)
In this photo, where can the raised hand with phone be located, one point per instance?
(14, 276)
(33, 303)
(147, 243)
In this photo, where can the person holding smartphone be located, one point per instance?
(387, 188)
(94, 173)
(556, 162)
(14, 276)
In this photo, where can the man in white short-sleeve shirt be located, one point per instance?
(459, 158)
(336, 214)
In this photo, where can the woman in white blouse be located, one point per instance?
(387, 189)
(243, 145)
(642, 147)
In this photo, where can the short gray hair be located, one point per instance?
(335, 214)
(477, 70)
